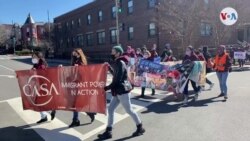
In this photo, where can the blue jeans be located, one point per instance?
(75, 115)
(222, 76)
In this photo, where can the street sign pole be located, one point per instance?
(117, 23)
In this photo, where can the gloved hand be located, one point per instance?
(106, 88)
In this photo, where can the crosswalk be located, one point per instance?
(52, 127)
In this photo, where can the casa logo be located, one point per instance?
(39, 87)
(228, 16)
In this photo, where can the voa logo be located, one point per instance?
(39, 86)
(228, 16)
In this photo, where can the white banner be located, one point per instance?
(239, 55)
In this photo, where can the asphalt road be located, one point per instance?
(208, 119)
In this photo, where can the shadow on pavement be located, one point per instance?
(65, 128)
(164, 106)
(13, 133)
(121, 139)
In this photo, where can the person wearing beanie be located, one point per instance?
(120, 88)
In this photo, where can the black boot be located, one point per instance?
(142, 92)
(42, 120)
(74, 123)
(53, 114)
(91, 116)
(153, 92)
(139, 131)
(106, 135)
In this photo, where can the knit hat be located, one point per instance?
(119, 49)
(191, 48)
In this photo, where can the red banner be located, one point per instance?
(77, 88)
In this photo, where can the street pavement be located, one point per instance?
(208, 119)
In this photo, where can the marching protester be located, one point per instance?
(241, 61)
(209, 66)
(39, 62)
(190, 57)
(222, 67)
(144, 48)
(139, 53)
(146, 56)
(130, 52)
(166, 52)
(120, 88)
(169, 57)
(201, 57)
(153, 53)
(78, 58)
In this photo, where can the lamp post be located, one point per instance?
(117, 3)
(14, 38)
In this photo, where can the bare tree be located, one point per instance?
(180, 18)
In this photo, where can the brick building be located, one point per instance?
(92, 27)
(32, 32)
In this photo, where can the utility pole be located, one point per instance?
(49, 26)
(117, 3)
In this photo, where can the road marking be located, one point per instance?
(55, 126)
(7, 68)
(9, 76)
(30, 116)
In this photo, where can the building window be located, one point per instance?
(79, 22)
(151, 3)
(100, 16)
(89, 19)
(205, 29)
(131, 33)
(42, 31)
(68, 41)
(113, 12)
(241, 35)
(72, 24)
(248, 33)
(152, 29)
(101, 38)
(113, 35)
(67, 25)
(130, 6)
(80, 40)
(90, 39)
(73, 41)
(27, 32)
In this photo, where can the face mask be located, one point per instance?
(145, 56)
(34, 61)
(188, 53)
(112, 57)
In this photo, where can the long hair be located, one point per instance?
(82, 56)
(40, 57)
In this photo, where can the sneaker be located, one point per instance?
(196, 97)
(42, 120)
(221, 94)
(225, 97)
(106, 135)
(74, 123)
(139, 131)
(211, 86)
(92, 117)
(185, 101)
(53, 114)
(203, 88)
